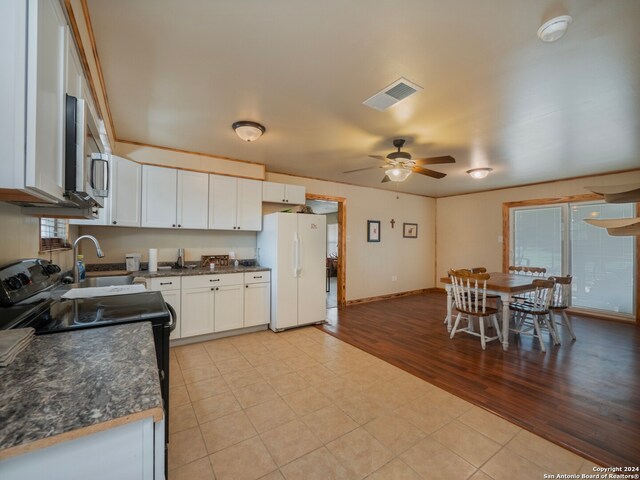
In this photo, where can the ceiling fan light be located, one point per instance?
(398, 174)
(248, 131)
(479, 173)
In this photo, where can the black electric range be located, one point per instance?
(30, 296)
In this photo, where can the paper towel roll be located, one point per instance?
(153, 259)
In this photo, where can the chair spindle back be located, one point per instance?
(469, 291)
(561, 291)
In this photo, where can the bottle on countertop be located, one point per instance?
(81, 269)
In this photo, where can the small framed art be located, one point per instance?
(373, 230)
(410, 230)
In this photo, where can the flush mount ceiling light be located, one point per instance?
(248, 131)
(398, 174)
(554, 29)
(479, 173)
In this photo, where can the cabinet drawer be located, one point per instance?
(257, 277)
(161, 284)
(200, 281)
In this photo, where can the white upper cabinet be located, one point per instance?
(193, 199)
(159, 190)
(234, 203)
(223, 201)
(249, 205)
(125, 192)
(33, 39)
(281, 193)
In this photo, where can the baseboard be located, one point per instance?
(437, 290)
(388, 296)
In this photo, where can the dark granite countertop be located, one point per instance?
(199, 271)
(77, 381)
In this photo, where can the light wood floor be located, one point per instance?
(584, 395)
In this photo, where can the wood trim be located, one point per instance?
(506, 237)
(94, 49)
(637, 258)
(342, 243)
(388, 296)
(346, 183)
(156, 413)
(15, 195)
(85, 63)
(179, 150)
(566, 179)
(437, 290)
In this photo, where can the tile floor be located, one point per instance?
(302, 404)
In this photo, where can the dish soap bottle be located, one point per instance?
(81, 269)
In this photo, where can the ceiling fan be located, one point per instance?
(399, 165)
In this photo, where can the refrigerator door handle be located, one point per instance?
(295, 255)
(299, 259)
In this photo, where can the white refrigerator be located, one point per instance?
(294, 246)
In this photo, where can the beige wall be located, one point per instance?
(116, 242)
(370, 266)
(19, 238)
(468, 226)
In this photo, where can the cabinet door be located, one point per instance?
(46, 74)
(257, 304)
(222, 202)
(295, 194)
(229, 307)
(73, 73)
(197, 311)
(249, 215)
(159, 193)
(273, 192)
(125, 192)
(193, 199)
(173, 298)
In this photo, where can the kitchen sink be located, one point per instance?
(106, 281)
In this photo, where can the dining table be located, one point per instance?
(506, 285)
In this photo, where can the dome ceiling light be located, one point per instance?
(479, 173)
(248, 131)
(398, 174)
(554, 29)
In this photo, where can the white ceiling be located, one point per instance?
(178, 74)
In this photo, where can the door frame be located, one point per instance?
(342, 242)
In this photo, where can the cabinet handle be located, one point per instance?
(179, 226)
(259, 276)
(284, 201)
(238, 228)
(215, 280)
(114, 222)
(173, 225)
(246, 286)
(166, 283)
(217, 288)
(212, 289)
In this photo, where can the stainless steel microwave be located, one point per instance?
(86, 161)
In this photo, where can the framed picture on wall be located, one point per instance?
(373, 230)
(410, 230)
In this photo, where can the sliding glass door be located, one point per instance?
(602, 266)
(557, 238)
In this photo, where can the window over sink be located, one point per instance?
(54, 234)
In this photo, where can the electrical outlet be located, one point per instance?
(394, 278)
(500, 239)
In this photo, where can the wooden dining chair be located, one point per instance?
(524, 270)
(470, 301)
(560, 303)
(532, 313)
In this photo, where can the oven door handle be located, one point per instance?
(174, 316)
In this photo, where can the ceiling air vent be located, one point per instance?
(392, 94)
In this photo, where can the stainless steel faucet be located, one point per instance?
(76, 272)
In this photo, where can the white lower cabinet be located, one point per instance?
(197, 311)
(135, 451)
(229, 308)
(257, 301)
(208, 304)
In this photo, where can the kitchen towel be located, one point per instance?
(12, 342)
(153, 259)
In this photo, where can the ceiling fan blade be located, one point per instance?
(435, 160)
(429, 173)
(386, 179)
(360, 169)
(378, 157)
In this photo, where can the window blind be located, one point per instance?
(53, 234)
